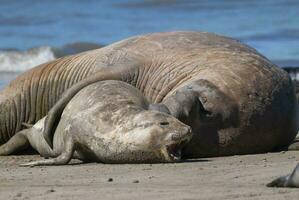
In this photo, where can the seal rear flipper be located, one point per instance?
(17, 143)
(62, 159)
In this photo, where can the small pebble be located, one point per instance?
(135, 181)
(110, 179)
(50, 191)
(19, 194)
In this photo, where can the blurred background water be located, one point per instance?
(35, 31)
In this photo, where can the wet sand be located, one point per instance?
(235, 177)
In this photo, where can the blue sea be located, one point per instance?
(36, 31)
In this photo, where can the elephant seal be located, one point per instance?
(235, 99)
(291, 180)
(108, 122)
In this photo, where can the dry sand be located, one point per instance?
(235, 177)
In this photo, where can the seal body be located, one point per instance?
(235, 99)
(110, 122)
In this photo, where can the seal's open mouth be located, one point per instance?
(173, 152)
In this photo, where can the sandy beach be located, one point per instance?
(34, 32)
(235, 177)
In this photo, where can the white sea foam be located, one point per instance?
(16, 61)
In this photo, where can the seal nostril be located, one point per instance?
(164, 123)
(175, 137)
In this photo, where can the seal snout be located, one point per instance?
(185, 133)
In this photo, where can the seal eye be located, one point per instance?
(164, 123)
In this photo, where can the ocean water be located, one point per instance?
(34, 31)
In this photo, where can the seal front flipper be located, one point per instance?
(279, 182)
(17, 143)
(62, 159)
(291, 180)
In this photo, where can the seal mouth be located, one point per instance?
(173, 152)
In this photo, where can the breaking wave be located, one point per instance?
(12, 60)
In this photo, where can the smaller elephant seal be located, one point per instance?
(109, 122)
(291, 180)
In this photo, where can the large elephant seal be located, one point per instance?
(235, 99)
(107, 122)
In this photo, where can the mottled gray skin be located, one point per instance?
(235, 99)
(291, 180)
(108, 122)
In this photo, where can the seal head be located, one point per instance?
(151, 131)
